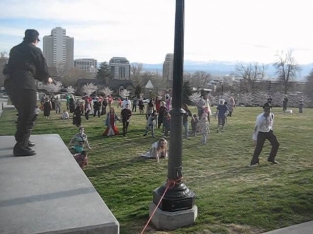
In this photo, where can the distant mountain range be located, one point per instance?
(222, 68)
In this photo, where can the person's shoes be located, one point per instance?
(272, 161)
(21, 151)
(222, 130)
(254, 164)
(31, 144)
(217, 130)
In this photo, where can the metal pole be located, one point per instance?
(179, 197)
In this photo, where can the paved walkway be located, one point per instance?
(303, 228)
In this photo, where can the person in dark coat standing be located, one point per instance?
(126, 113)
(26, 63)
(285, 103)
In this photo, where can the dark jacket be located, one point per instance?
(27, 63)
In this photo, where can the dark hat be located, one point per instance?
(31, 34)
(267, 105)
(203, 93)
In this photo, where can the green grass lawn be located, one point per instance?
(231, 197)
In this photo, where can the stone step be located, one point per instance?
(49, 192)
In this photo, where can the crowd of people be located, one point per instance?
(26, 63)
(157, 115)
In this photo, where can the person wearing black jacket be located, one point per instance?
(96, 108)
(126, 113)
(26, 63)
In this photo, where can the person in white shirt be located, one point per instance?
(203, 105)
(264, 130)
(125, 102)
(65, 115)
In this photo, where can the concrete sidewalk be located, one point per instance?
(303, 228)
(49, 192)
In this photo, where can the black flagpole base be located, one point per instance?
(177, 198)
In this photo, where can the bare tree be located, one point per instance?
(70, 77)
(287, 69)
(199, 79)
(135, 73)
(251, 75)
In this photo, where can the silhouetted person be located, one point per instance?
(26, 63)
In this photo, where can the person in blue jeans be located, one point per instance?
(221, 113)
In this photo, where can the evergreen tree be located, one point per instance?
(187, 91)
(104, 72)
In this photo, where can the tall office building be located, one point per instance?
(88, 65)
(120, 68)
(168, 67)
(58, 49)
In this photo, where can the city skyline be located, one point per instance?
(143, 30)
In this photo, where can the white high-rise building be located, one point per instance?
(58, 49)
(168, 69)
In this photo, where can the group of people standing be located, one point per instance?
(48, 103)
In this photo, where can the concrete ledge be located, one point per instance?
(172, 220)
(48, 192)
(303, 228)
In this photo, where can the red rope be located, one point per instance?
(173, 182)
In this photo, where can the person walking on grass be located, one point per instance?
(285, 103)
(264, 130)
(110, 122)
(57, 105)
(151, 123)
(301, 104)
(47, 107)
(185, 119)
(162, 110)
(204, 128)
(221, 114)
(126, 113)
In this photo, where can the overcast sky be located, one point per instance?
(143, 30)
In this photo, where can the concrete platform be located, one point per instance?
(48, 192)
(172, 220)
(303, 228)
